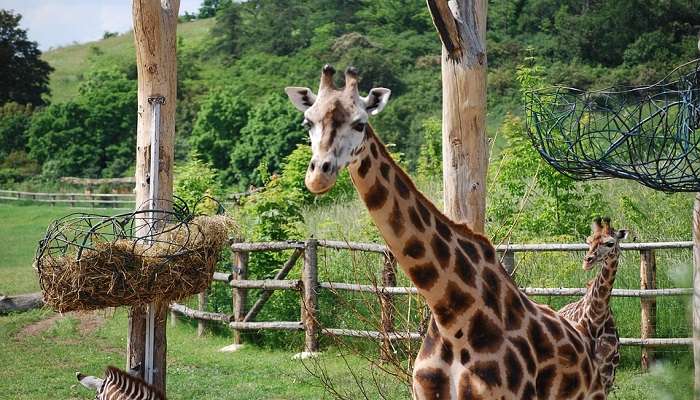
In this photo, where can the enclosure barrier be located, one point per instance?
(309, 286)
(95, 200)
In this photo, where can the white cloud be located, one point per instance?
(54, 23)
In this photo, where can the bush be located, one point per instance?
(194, 180)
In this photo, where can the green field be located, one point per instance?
(45, 349)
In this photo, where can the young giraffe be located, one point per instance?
(593, 311)
(119, 385)
(488, 340)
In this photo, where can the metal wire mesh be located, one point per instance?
(648, 133)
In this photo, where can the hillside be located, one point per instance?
(71, 62)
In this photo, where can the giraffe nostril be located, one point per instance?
(312, 166)
(326, 167)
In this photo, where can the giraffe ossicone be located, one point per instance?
(592, 313)
(488, 340)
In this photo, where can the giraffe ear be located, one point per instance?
(621, 234)
(301, 97)
(89, 382)
(376, 100)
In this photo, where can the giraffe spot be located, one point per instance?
(424, 212)
(452, 305)
(373, 149)
(415, 219)
(540, 342)
(484, 334)
(586, 371)
(514, 371)
(433, 383)
(443, 229)
(492, 291)
(430, 341)
(569, 385)
(573, 336)
(396, 219)
(544, 381)
(525, 351)
(446, 353)
(464, 269)
(414, 248)
(441, 251)
(424, 276)
(528, 392)
(529, 305)
(470, 250)
(384, 169)
(567, 355)
(459, 334)
(364, 167)
(468, 391)
(547, 310)
(376, 196)
(487, 249)
(514, 310)
(606, 273)
(401, 187)
(599, 396)
(464, 356)
(554, 328)
(487, 371)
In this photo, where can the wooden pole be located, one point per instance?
(647, 275)
(387, 305)
(155, 25)
(696, 293)
(201, 306)
(462, 30)
(240, 295)
(309, 300)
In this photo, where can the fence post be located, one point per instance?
(309, 299)
(387, 304)
(508, 261)
(201, 306)
(72, 198)
(240, 272)
(647, 275)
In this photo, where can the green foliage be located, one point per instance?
(218, 126)
(24, 76)
(430, 156)
(194, 180)
(209, 8)
(14, 121)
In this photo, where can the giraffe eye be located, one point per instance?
(307, 124)
(359, 126)
(609, 244)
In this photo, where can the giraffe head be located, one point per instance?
(603, 242)
(336, 120)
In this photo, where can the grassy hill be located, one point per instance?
(70, 62)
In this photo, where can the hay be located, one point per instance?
(175, 264)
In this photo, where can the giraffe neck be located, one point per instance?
(598, 296)
(452, 267)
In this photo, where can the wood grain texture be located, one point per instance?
(696, 293)
(647, 281)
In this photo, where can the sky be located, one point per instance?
(54, 23)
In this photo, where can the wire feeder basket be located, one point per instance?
(647, 133)
(92, 261)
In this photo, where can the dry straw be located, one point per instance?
(91, 262)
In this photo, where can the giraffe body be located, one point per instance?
(592, 312)
(488, 340)
(119, 385)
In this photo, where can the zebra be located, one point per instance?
(119, 385)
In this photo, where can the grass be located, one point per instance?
(44, 362)
(71, 62)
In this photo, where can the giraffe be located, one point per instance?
(593, 311)
(119, 385)
(487, 340)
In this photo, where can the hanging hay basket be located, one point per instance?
(89, 262)
(648, 133)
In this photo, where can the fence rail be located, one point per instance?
(95, 200)
(309, 286)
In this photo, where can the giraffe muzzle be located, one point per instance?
(320, 176)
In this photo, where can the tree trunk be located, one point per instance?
(155, 26)
(20, 303)
(462, 29)
(696, 293)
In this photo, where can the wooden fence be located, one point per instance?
(309, 286)
(95, 200)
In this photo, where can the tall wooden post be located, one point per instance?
(461, 25)
(647, 281)
(309, 300)
(155, 25)
(240, 295)
(696, 293)
(387, 306)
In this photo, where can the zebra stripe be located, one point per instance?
(118, 385)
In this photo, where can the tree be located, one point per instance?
(14, 121)
(24, 77)
(210, 8)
